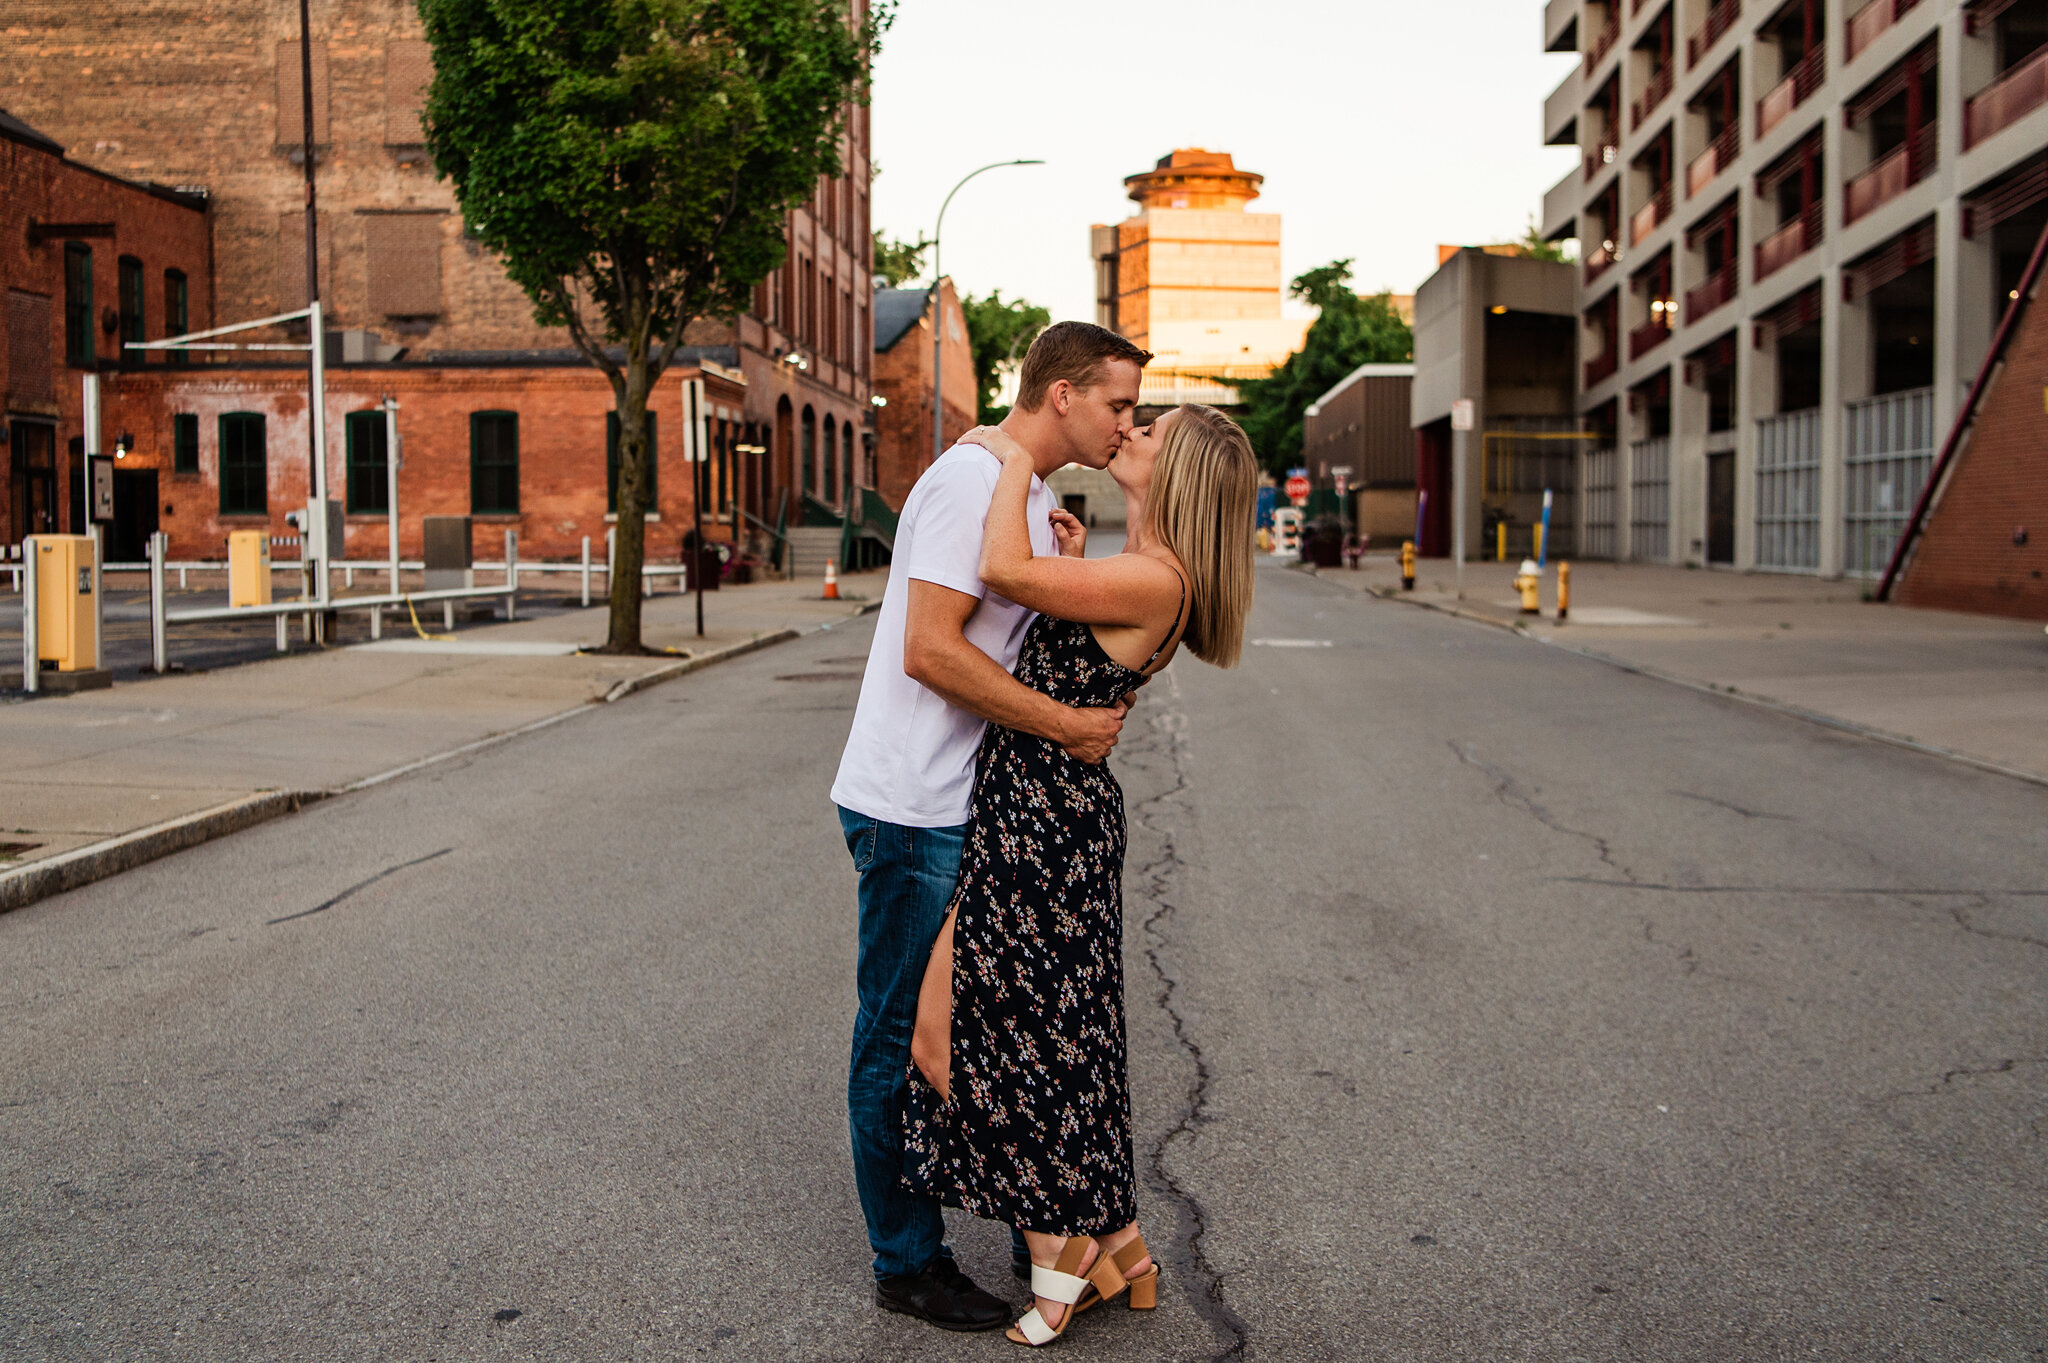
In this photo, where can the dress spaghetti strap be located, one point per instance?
(1178, 612)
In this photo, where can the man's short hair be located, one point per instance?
(1076, 352)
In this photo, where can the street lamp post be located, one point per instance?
(938, 312)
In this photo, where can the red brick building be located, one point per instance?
(1983, 545)
(903, 379)
(188, 93)
(88, 261)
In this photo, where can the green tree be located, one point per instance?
(1350, 331)
(899, 262)
(1536, 248)
(1000, 332)
(631, 161)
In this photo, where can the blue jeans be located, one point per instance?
(906, 881)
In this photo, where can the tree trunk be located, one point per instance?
(629, 550)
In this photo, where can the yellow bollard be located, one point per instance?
(1408, 565)
(1526, 582)
(1500, 542)
(1564, 590)
(1539, 539)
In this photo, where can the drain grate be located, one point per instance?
(10, 850)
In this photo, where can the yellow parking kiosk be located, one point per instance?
(67, 607)
(249, 568)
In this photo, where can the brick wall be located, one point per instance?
(903, 376)
(206, 92)
(37, 387)
(1969, 557)
(562, 414)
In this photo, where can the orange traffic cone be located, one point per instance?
(831, 580)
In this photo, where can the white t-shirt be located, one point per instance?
(910, 757)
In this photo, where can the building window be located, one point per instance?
(130, 283)
(78, 349)
(831, 461)
(369, 463)
(846, 454)
(408, 70)
(611, 464)
(291, 108)
(404, 259)
(177, 313)
(810, 438)
(244, 465)
(185, 443)
(494, 463)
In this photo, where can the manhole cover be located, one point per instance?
(819, 676)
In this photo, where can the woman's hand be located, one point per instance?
(1069, 534)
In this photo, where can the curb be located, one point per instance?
(1825, 721)
(97, 861)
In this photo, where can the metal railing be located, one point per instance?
(1890, 175)
(1601, 501)
(1654, 211)
(1720, 18)
(1719, 155)
(1654, 94)
(1788, 94)
(1888, 453)
(1867, 23)
(1649, 500)
(2006, 100)
(1711, 292)
(1788, 492)
(1788, 243)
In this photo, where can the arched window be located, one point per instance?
(846, 455)
(494, 463)
(810, 451)
(831, 459)
(369, 462)
(244, 465)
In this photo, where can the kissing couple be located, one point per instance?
(988, 1069)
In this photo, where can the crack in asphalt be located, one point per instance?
(1961, 914)
(1157, 877)
(359, 885)
(1509, 792)
(1732, 808)
(2005, 1066)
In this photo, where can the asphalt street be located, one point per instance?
(1486, 1002)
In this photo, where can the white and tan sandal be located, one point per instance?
(1066, 1284)
(1144, 1287)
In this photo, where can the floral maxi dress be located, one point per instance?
(1037, 1132)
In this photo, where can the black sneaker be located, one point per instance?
(943, 1296)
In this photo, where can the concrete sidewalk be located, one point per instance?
(1971, 686)
(99, 781)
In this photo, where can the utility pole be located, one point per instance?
(316, 528)
(939, 310)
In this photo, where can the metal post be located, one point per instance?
(611, 544)
(938, 314)
(693, 451)
(99, 592)
(31, 635)
(448, 615)
(511, 574)
(391, 483)
(89, 417)
(586, 570)
(159, 544)
(1460, 440)
(316, 539)
(284, 642)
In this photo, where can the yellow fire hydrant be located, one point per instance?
(1564, 590)
(1526, 582)
(1408, 565)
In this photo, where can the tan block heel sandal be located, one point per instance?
(1144, 1288)
(1065, 1283)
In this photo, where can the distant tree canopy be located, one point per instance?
(899, 262)
(1350, 331)
(1000, 332)
(1536, 248)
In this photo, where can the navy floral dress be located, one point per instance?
(1037, 1132)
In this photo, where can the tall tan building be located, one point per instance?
(1195, 279)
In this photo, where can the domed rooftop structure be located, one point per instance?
(1190, 177)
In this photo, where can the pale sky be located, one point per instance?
(1381, 128)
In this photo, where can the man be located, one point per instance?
(937, 674)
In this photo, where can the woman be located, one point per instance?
(1019, 1103)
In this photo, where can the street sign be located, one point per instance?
(1342, 475)
(1297, 486)
(1461, 414)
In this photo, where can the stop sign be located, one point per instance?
(1297, 488)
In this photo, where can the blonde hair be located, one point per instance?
(1200, 507)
